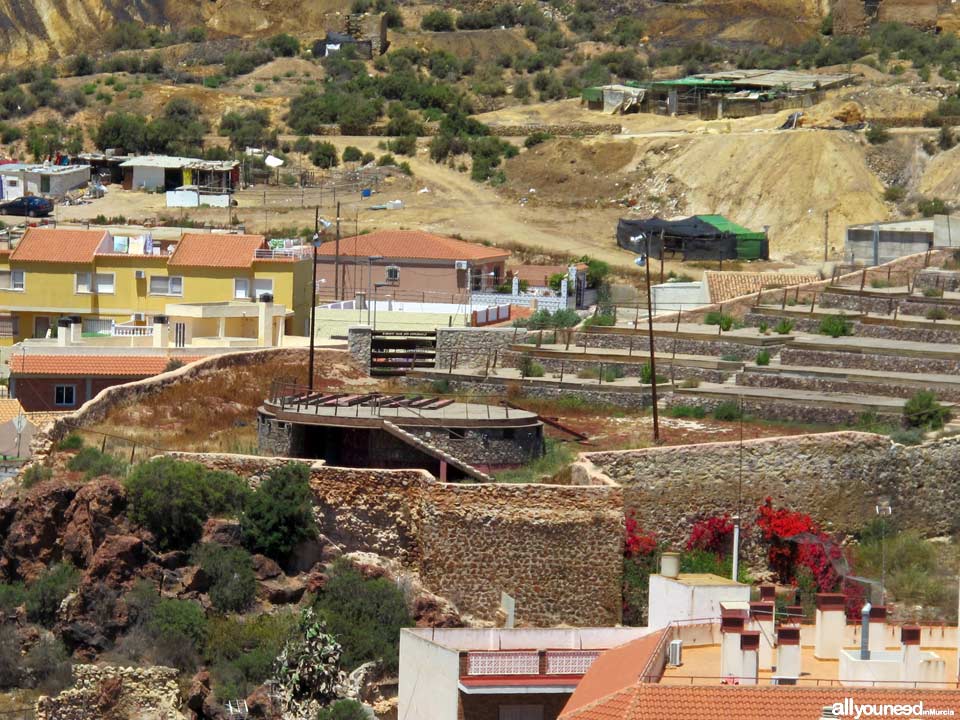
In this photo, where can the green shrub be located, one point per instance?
(530, 368)
(12, 596)
(47, 665)
(894, 193)
(936, 314)
(437, 21)
(93, 463)
(727, 410)
(351, 154)
(48, 591)
(690, 382)
(933, 292)
(923, 411)
(877, 135)
(910, 436)
(730, 357)
(763, 358)
(835, 326)
(646, 375)
(173, 364)
(717, 318)
(536, 137)
(173, 499)
(762, 328)
(687, 411)
(880, 283)
(233, 585)
(279, 515)
(35, 474)
(11, 661)
(241, 650)
(71, 442)
(365, 616)
(324, 155)
(183, 620)
(343, 710)
(933, 206)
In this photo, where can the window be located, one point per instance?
(12, 280)
(65, 395)
(393, 274)
(160, 285)
(95, 283)
(261, 287)
(241, 288)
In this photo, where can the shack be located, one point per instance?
(699, 237)
(166, 172)
(19, 179)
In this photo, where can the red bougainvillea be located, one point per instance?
(637, 541)
(714, 534)
(796, 541)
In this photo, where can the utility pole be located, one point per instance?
(313, 296)
(826, 233)
(336, 260)
(653, 362)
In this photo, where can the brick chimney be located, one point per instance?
(831, 619)
(789, 662)
(63, 332)
(910, 653)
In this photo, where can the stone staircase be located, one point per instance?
(435, 452)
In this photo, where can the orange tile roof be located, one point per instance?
(9, 409)
(758, 702)
(411, 245)
(58, 245)
(215, 250)
(614, 670)
(92, 365)
(723, 286)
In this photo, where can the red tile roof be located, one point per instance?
(412, 245)
(614, 670)
(758, 702)
(724, 285)
(92, 365)
(58, 245)
(215, 250)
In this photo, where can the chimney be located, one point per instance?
(64, 332)
(768, 593)
(761, 616)
(732, 625)
(265, 320)
(788, 651)
(161, 331)
(670, 564)
(76, 329)
(910, 653)
(878, 628)
(830, 623)
(865, 632)
(794, 613)
(750, 657)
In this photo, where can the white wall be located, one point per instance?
(671, 600)
(429, 676)
(148, 177)
(671, 297)
(191, 198)
(63, 182)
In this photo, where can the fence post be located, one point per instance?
(863, 279)
(561, 371)
(813, 302)
(496, 351)
(540, 339)
(133, 451)
(720, 324)
(783, 305)
(630, 349)
(600, 375)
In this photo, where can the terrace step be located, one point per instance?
(435, 452)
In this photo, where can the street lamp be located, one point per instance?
(884, 510)
(370, 261)
(313, 308)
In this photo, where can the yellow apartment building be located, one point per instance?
(108, 279)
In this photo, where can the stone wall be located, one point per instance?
(825, 384)
(556, 549)
(868, 361)
(665, 345)
(812, 412)
(360, 345)
(111, 691)
(836, 477)
(948, 280)
(932, 333)
(570, 366)
(474, 345)
(563, 130)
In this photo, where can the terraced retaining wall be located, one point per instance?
(868, 361)
(822, 384)
(810, 412)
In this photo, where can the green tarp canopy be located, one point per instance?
(592, 94)
(750, 244)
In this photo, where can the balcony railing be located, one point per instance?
(530, 662)
(132, 330)
(294, 253)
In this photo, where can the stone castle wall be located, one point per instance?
(836, 477)
(112, 691)
(556, 549)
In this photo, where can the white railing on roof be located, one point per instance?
(294, 253)
(132, 330)
(517, 662)
(570, 662)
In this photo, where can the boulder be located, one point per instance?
(173, 559)
(95, 512)
(431, 610)
(119, 559)
(222, 532)
(260, 704)
(282, 590)
(265, 568)
(201, 703)
(31, 542)
(195, 579)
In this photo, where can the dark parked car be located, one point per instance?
(28, 205)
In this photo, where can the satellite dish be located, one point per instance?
(272, 161)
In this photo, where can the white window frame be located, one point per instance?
(245, 284)
(93, 283)
(169, 282)
(12, 282)
(392, 273)
(257, 292)
(73, 395)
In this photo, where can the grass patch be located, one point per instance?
(695, 412)
(558, 457)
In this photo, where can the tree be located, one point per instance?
(47, 139)
(82, 64)
(233, 585)
(365, 615)
(324, 155)
(126, 131)
(343, 710)
(48, 591)
(284, 45)
(245, 128)
(437, 21)
(279, 515)
(352, 154)
(173, 499)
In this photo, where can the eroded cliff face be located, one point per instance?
(40, 30)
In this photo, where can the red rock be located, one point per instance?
(118, 560)
(194, 579)
(221, 532)
(433, 611)
(93, 515)
(31, 541)
(260, 705)
(282, 591)
(316, 581)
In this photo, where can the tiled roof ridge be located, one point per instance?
(603, 701)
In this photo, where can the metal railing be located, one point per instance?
(299, 252)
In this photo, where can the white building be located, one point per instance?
(19, 179)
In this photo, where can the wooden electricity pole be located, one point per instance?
(653, 361)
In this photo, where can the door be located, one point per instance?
(41, 326)
(521, 712)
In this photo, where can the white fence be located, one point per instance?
(543, 302)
